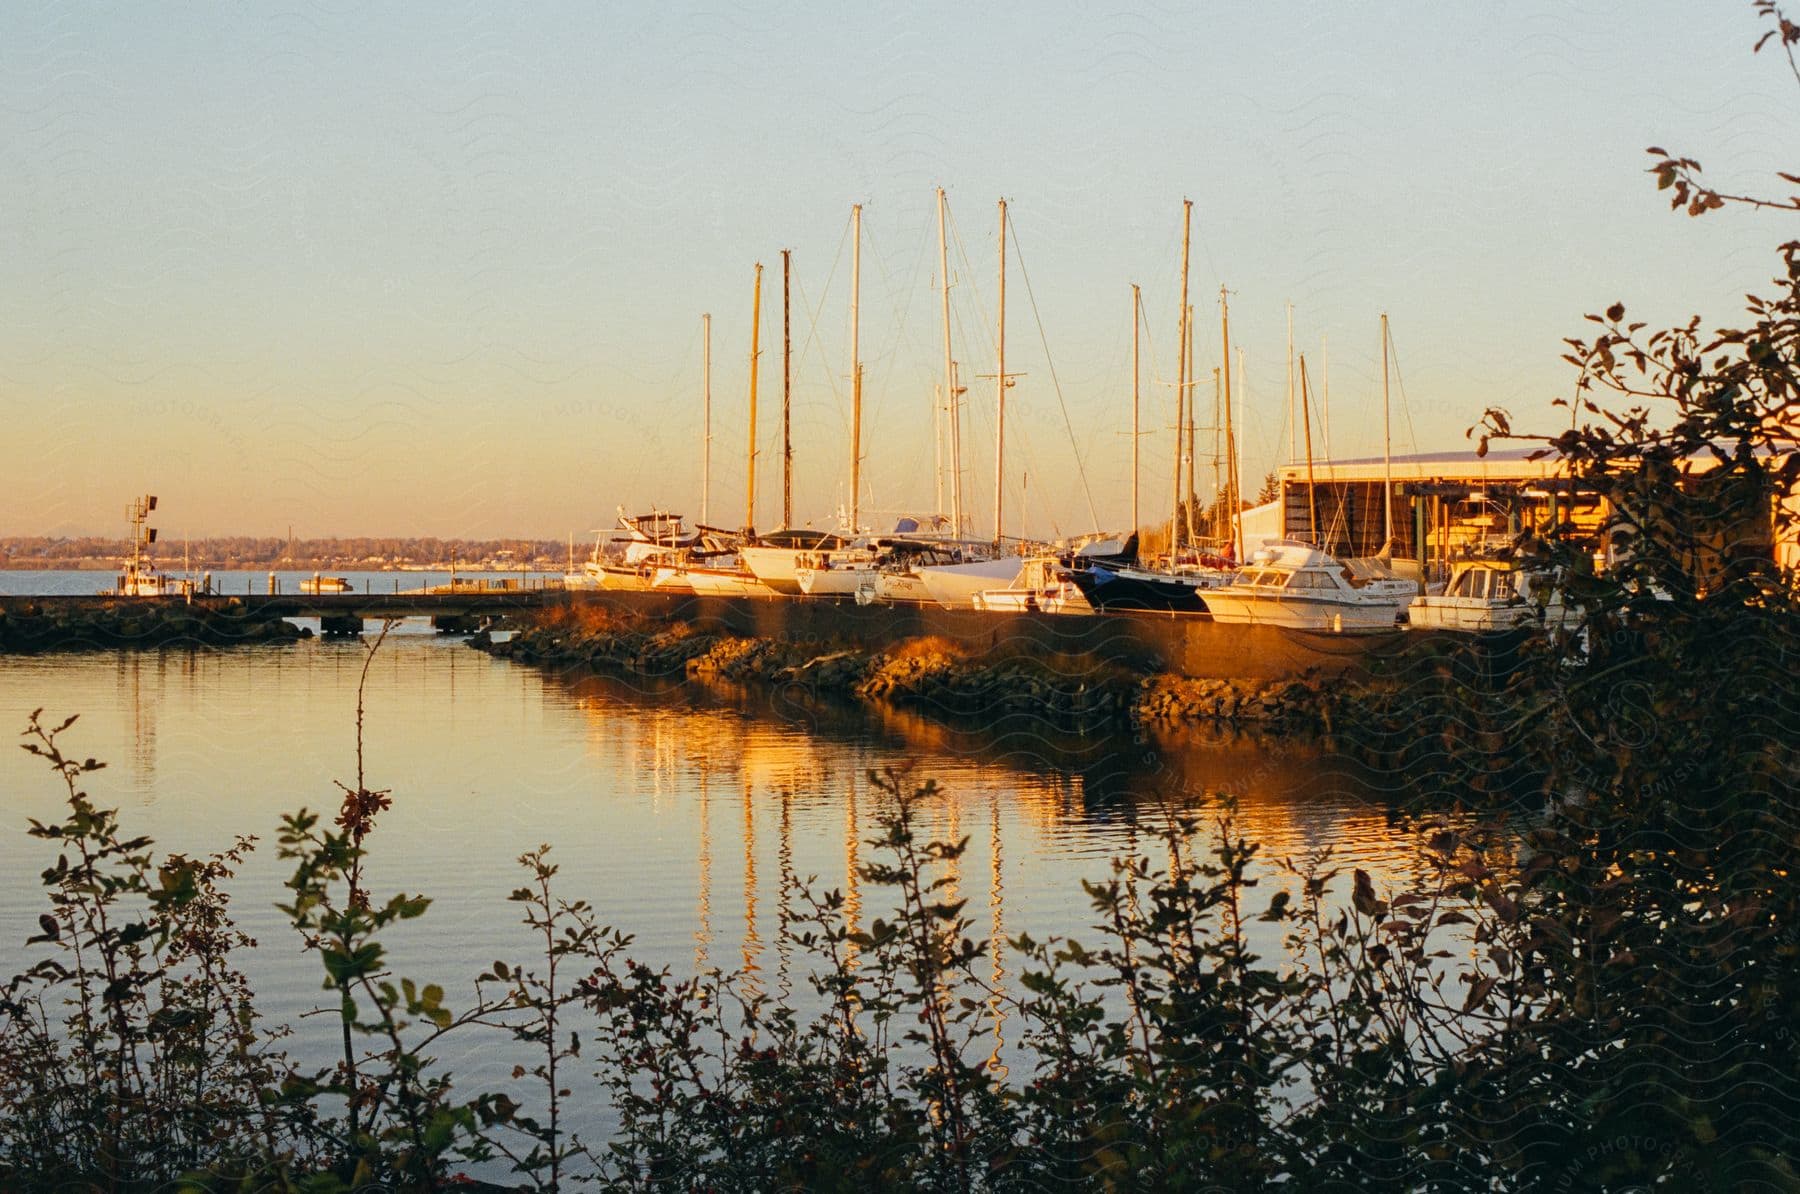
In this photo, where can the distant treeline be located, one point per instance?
(253, 551)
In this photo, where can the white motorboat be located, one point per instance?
(1045, 585)
(1296, 585)
(316, 584)
(1485, 595)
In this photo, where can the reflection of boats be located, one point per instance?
(1292, 584)
(1485, 595)
(140, 577)
(325, 584)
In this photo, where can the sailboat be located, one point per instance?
(981, 567)
(776, 558)
(1130, 584)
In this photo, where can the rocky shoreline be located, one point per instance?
(929, 674)
(138, 623)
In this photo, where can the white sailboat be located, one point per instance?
(956, 585)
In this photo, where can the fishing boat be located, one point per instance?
(1296, 585)
(1486, 595)
(316, 584)
(138, 575)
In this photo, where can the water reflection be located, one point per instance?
(694, 819)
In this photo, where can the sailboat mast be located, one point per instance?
(755, 351)
(1312, 490)
(1237, 498)
(1231, 479)
(855, 370)
(1193, 420)
(1183, 400)
(1135, 300)
(1292, 426)
(1000, 393)
(787, 384)
(1387, 447)
(1213, 529)
(706, 415)
(952, 417)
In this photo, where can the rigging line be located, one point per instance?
(1056, 382)
(901, 325)
(812, 333)
(688, 358)
(1405, 407)
(984, 336)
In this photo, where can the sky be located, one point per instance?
(441, 269)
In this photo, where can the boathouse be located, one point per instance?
(1446, 505)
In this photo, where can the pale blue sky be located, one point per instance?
(440, 269)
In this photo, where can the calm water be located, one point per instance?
(684, 815)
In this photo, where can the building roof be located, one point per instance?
(1500, 464)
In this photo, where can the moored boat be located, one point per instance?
(1045, 585)
(1485, 595)
(138, 575)
(1296, 585)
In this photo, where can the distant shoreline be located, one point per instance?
(174, 565)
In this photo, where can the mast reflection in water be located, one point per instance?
(627, 780)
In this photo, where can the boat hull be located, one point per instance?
(1476, 616)
(954, 586)
(837, 582)
(718, 582)
(1303, 613)
(1133, 589)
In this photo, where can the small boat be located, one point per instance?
(316, 584)
(1486, 595)
(1298, 586)
(1125, 586)
(139, 576)
(775, 558)
(1045, 585)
